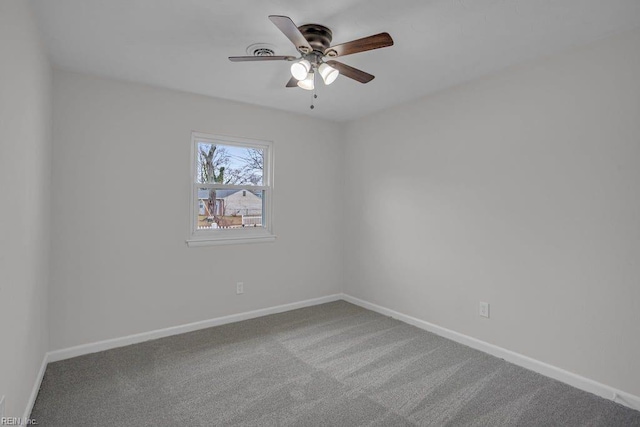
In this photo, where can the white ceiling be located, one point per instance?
(184, 44)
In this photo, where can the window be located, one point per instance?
(231, 190)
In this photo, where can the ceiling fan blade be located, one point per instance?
(361, 45)
(352, 73)
(293, 82)
(261, 58)
(286, 25)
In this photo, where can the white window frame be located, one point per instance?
(231, 236)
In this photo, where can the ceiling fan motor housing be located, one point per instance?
(318, 36)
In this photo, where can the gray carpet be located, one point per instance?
(333, 364)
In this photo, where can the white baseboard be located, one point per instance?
(95, 347)
(36, 388)
(545, 369)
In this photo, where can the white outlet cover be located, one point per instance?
(484, 309)
(240, 288)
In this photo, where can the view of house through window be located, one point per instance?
(231, 185)
(231, 209)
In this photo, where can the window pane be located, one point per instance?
(222, 208)
(229, 164)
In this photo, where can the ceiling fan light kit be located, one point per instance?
(313, 43)
(328, 73)
(308, 82)
(300, 69)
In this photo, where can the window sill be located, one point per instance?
(230, 240)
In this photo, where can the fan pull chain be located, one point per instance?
(314, 97)
(314, 92)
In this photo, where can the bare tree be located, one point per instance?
(210, 159)
(252, 168)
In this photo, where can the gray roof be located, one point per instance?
(220, 194)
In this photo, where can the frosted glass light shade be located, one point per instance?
(328, 73)
(300, 69)
(307, 83)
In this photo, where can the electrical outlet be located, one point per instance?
(240, 288)
(1, 407)
(484, 309)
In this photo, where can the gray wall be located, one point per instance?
(520, 190)
(25, 175)
(121, 211)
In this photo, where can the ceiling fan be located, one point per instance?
(313, 41)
